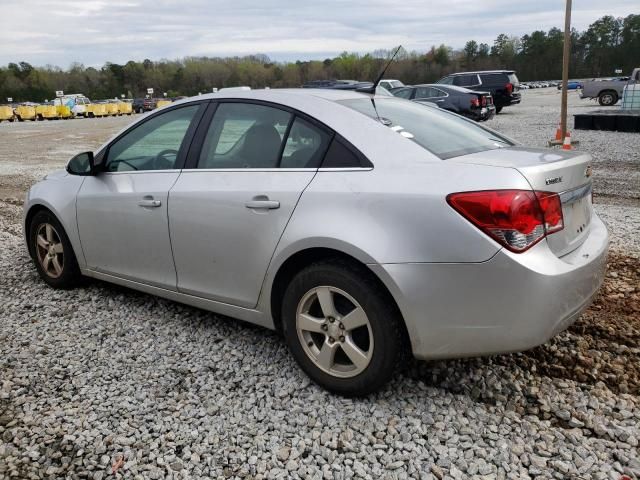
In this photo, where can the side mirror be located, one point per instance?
(82, 164)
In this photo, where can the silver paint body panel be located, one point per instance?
(459, 292)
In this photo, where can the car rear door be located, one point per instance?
(229, 208)
(122, 211)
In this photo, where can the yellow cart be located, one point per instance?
(111, 108)
(125, 108)
(25, 112)
(46, 112)
(6, 113)
(163, 103)
(95, 110)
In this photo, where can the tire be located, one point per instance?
(61, 270)
(20, 119)
(498, 109)
(379, 340)
(608, 98)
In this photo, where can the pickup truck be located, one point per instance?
(608, 91)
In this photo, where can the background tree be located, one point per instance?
(607, 44)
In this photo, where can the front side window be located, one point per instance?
(153, 145)
(244, 135)
(440, 132)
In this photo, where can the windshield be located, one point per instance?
(442, 133)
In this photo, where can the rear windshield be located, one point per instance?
(444, 134)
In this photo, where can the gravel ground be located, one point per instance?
(104, 382)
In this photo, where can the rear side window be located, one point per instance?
(404, 93)
(440, 132)
(341, 156)
(446, 81)
(305, 146)
(494, 78)
(514, 79)
(244, 135)
(429, 92)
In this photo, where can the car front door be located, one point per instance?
(228, 212)
(122, 211)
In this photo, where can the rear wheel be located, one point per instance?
(52, 252)
(342, 328)
(608, 98)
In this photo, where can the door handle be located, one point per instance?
(149, 202)
(263, 204)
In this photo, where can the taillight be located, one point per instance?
(509, 87)
(517, 219)
(484, 101)
(475, 102)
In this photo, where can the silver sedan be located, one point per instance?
(364, 228)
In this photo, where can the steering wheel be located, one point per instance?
(160, 162)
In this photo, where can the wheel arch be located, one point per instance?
(70, 230)
(305, 257)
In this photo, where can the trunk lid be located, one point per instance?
(562, 172)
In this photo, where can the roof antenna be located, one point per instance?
(372, 88)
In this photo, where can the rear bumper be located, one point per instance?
(511, 302)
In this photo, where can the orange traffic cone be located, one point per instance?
(559, 132)
(566, 145)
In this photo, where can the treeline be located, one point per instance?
(608, 44)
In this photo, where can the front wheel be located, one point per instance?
(52, 252)
(343, 328)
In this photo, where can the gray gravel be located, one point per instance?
(103, 379)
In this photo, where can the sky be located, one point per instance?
(93, 32)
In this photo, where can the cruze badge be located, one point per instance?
(551, 181)
(588, 171)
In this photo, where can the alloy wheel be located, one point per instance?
(49, 250)
(334, 331)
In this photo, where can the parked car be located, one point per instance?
(503, 85)
(608, 92)
(571, 85)
(362, 227)
(149, 104)
(390, 84)
(475, 105)
(138, 105)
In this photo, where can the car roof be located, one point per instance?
(481, 71)
(279, 94)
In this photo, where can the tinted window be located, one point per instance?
(153, 145)
(340, 156)
(305, 146)
(494, 78)
(466, 80)
(403, 93)
(444, 134)
(244, 135)
(428, 92)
